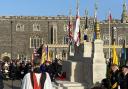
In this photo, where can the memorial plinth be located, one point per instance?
(87, 66)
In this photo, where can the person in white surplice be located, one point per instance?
(36, 79)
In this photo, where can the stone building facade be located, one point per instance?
(21, 34)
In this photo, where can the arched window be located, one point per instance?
(36, 27)
(35, 41)
(19, 27)
(53, 34)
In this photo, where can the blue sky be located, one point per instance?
(59, 7)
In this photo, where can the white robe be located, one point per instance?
(26, 83)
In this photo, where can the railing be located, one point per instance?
(117, 46)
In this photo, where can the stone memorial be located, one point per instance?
(87, 67)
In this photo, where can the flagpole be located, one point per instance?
(95, 19)
(109, 35)
(69, 27)
(77, 7)
(47, 53)
(86, 19)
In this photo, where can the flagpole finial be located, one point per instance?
(86, 12)
(77, 7)
(95, 10)
(86, 18)
(96, 5)
(124, 5)
(70, 12)
(97, 30)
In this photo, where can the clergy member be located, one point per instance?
(36, 79)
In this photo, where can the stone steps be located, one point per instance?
(67, 85)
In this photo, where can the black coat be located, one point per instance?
(114, 79)
(1, 81)
(124, 82)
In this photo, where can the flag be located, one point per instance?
(34, 54)
(123, 55)
(48, 55)
(94, 35)
(115, 57)
(110, 17)
(44, 56)
(77, 29)
(69, 28)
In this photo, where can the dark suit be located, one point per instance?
(114, 79)
(1, 79)
(124, 82)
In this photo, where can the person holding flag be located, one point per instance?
(114, 78)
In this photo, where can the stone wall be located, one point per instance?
(21, 39)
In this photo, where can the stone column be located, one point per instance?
(87, 49)
(99, 63)
(66, 56)
(53, 55)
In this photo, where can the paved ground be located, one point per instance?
(8, 84)
(16, 84)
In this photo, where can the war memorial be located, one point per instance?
(85, 64)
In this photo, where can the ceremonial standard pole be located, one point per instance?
(11, 50)
(109, 34)
(11, 40)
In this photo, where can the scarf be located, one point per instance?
(34, 79)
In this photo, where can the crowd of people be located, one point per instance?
(117, 77)
(16, 70)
